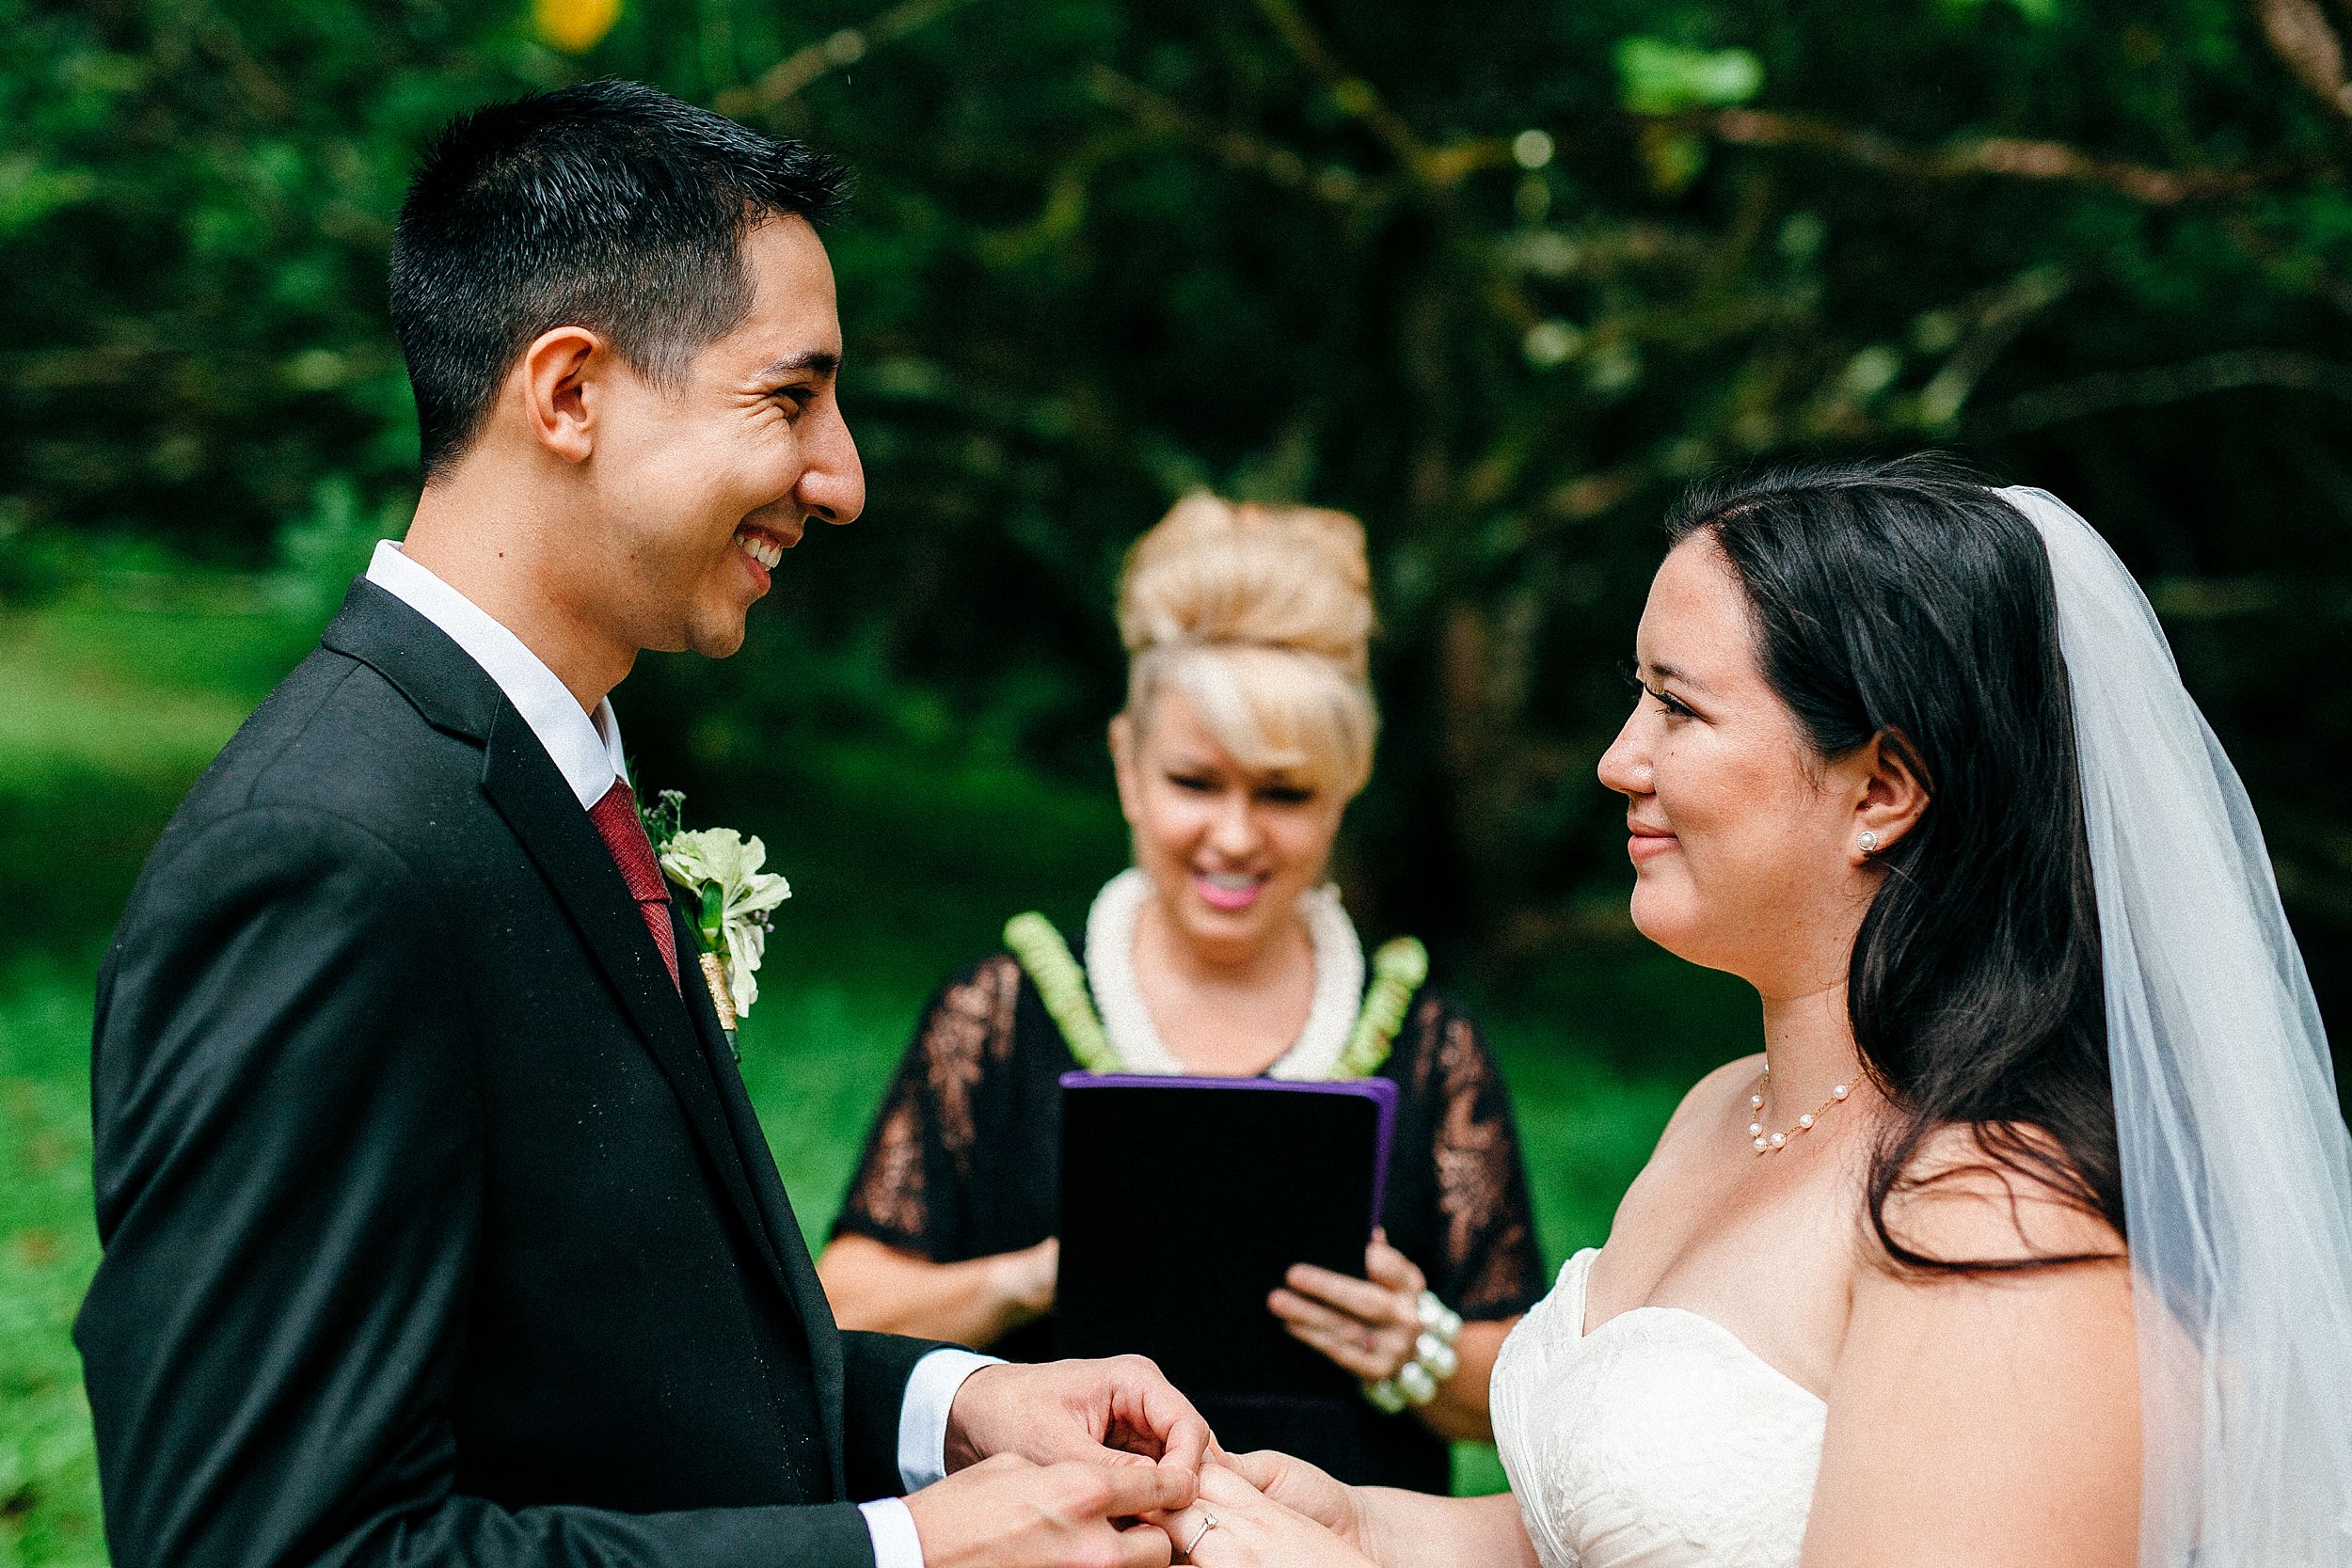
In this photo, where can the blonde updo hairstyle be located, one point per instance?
(1261, 617)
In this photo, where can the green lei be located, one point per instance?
(1397, 970)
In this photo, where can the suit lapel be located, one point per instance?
(455, 694)
(449, 688)
(784, 1226)
(544, 814)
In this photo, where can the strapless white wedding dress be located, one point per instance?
(1656, 1441)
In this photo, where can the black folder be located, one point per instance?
(1183, 1200)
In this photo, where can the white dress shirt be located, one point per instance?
(586, 749)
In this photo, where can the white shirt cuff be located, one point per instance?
(891, 1523)
(923, 1419)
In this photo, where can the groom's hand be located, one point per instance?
(1007, 1512)
(1120, 1412)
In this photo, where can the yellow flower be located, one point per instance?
(573, 26)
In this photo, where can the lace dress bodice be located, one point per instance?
(965, 1160)
(1656, 1441)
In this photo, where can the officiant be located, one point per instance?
(1222, 951)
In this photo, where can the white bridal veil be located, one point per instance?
(2238, 1170)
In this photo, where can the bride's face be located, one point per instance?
(1229, 849)
(1743, 839)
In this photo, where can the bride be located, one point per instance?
(1910, 755)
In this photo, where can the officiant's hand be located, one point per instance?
(1367, 1325)
(1007, 1512)
(1118, 1411)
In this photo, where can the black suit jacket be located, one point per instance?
(437, 1227)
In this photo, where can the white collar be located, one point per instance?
(586, 751)
(1119, 1000)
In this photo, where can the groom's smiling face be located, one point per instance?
(696, 488)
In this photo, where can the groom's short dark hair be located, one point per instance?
(609, 205)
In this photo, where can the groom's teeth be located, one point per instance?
(760, 548)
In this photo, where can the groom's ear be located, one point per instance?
(559, 372)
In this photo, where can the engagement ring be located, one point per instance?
(1208, 1523)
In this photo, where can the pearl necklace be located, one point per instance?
(1110, 957)
(1775, 1143)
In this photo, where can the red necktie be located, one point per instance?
(616, 818)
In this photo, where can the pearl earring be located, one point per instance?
(1868, 841)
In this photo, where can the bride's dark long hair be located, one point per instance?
(1904, 599)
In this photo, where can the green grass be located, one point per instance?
(48, 1477)
(901, 870)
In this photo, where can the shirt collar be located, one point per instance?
(586, 751)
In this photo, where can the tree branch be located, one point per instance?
(2000, 314)
(1334, 184)
(788, 76)
(2006, 157)
(2289, 268)
(2304, 39)
(2230, 369)
(1435, 170)
(1360, 98)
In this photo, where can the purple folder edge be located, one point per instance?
(1380, 1091)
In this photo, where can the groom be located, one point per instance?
(438, 1229)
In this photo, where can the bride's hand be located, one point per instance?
(1302, 1488)
(1233, 1525)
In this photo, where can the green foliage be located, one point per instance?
(1499, 278)
(48, 1480)
(1663, 78)
(2032, 10)
(665, 818)
(321, 550)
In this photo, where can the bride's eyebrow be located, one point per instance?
(1676, 673)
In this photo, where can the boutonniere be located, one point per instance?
(731, 897)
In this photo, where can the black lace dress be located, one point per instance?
(963, 1161)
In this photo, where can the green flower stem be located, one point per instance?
(1062, 985)
(712, 916)
(1398, 970)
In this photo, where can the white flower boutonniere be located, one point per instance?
(733, 899)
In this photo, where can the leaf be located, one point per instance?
(1673, 160)
(1656, 77)
(2039, 12)
(665, 818)
(30, 193)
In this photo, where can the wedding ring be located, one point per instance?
(1208, 1523)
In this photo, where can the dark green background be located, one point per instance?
(1101, 253)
